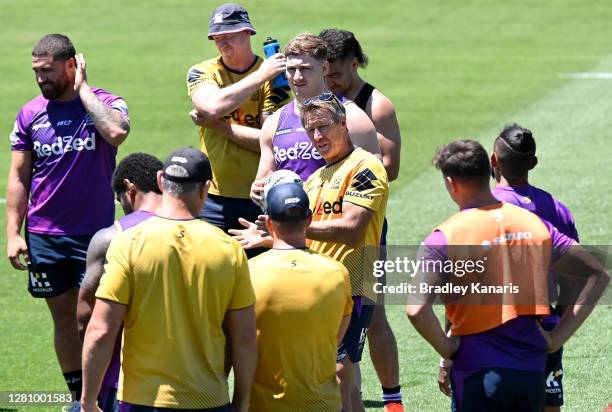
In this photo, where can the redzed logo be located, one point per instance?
(328, 207)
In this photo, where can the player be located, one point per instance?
(512, 159)
(498, 363)
(64, 144)
(182, 289)
(284, 143)
(232, 95)
(135, 186)
(345, 57)
(297, 289)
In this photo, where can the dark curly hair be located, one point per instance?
(464, 160)
(56, 45)
(342, 45)
(140, 169)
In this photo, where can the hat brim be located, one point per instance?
(220, 29)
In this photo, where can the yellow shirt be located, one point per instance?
(234, 168)
(301, 300)
(361, 179)
(178, 278)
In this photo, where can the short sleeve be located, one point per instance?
(243, 295)
(115, 282)
(197, 76)
(115, 102)
(20, 137)
(275, 97)
(369, 186)
(560, 242)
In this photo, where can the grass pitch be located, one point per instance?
(453, 70)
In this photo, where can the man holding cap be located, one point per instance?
(182, 289)
(297, 289)
(232, 95)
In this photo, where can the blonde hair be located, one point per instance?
(307, 44)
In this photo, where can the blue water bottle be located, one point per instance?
(270, 48)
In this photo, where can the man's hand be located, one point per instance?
(257, 189)
(17, 247)
(252, 236)
(90, 408)
(444, 379)
(272, 66)
(81, 73)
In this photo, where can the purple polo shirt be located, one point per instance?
(70, 192)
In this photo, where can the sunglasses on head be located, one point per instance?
(324, 97)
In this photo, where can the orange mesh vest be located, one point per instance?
(516, 247)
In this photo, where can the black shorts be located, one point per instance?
(354, 340)
(57, 263)
(499, 390)
(224, 212)
(554, 370)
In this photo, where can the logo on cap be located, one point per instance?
(218, 18)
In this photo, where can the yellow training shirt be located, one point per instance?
(234, 168)
(301, 299)
(360, 178)
(178, 278)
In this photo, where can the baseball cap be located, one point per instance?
(285, 197)
(187, 165)
(229, 18)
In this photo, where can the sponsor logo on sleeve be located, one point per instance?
(363, 180)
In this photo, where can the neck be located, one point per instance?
(478, 199)
(518, 182)
(355, 87)
(177, 208)
(289, 241)
(148, 202)
(347, 151)
(69, 94)
(240, 63)
(298, 101)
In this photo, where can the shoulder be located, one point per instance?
(206, 65)
(381, 106)
(33, 107)
(101, 240)
(364, 159)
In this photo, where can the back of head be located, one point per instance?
(342, 45)
(56, 45)
(288, 207)
(140, 169)
(185, 171)
(307, 44)
(464, 160)
(515, 150)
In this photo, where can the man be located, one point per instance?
(182, 289)
(514, 155)
(135, 186)
(297, 290)
(232, 95)
(284, 143)
(499, 363)
(345, 57)
(63, 145)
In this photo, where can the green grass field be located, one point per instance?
(453, 70)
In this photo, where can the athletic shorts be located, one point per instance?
(224, 212)
(354, 340)
(107, 398)
(128, 407)
(57, 263)
(498, 389)
(554, 366)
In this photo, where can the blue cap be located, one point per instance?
(229, 18)
(287, 202)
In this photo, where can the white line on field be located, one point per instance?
(587, 75)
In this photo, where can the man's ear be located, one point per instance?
(325, 67)
(354, 63)
(269, 224)
(205, 188)
(160, 174)
(533, 163)
(451, 184)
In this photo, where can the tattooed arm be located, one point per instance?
(112, 125)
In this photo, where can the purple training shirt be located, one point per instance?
(70, 191)
(292, 147)
(111, 378)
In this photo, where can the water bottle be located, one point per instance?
(270, 48)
